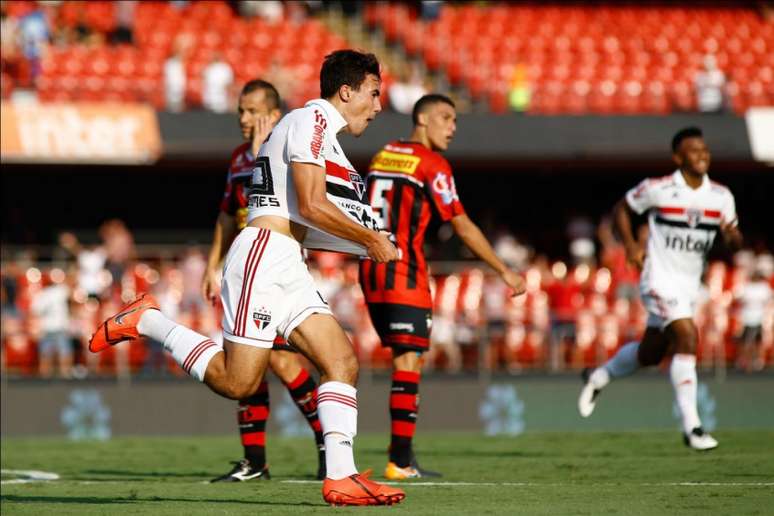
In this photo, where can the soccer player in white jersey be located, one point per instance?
(304, 193)
(685, 212)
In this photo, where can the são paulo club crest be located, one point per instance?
(694, 215)
(262, 318)
(358, 183)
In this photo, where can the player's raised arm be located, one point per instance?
(475, 240)
(313, 205)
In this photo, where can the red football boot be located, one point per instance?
(123, 325)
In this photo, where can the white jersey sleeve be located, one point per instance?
(306, 138)
(728, 212)
(640, 198)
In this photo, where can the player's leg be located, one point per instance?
(286, 364)
(321, 339)
(630, 357)
(683, 338)
(406, 330)
(252, 414)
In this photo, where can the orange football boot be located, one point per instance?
(357, 489)
(123, 325)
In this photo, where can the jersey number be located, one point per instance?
(262, 182)
(379, 202)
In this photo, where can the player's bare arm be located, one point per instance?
(222, 236)
(475, 240)
(732, 237)
(314, 205)
(622, 216)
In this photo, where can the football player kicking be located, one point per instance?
(407, 181)
(259, 111)
(685, 212)
(303, 193)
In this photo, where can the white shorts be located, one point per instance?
(664, 307)
(267, 289)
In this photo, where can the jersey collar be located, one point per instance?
(680, 180)
(336, 122)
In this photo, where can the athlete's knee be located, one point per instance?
(239, 389)
(344, 369)
(650, 355)
(683, 336)
(407, 360)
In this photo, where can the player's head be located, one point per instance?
(258, 98)
(690, 152)
(350, 80)
(435, 116)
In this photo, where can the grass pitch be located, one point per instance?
(536, 473)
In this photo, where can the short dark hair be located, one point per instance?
(682, 134)
(348, 67)
(270, 92)
(426, 101)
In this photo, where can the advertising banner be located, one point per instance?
(79, 133)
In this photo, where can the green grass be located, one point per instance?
(551, 473)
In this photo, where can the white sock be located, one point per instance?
(683, 375)
(155, 325)
(624, 362)
(191, 350)
(337, 410)
(599, 378)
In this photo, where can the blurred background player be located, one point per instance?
(407, 181)
(685, 212)
(259, 110)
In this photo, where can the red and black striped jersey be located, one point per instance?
(240, 171)
(406, 183)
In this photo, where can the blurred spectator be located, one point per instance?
(754, 298)
(9, 287)
(35, 34)
(430, 9)
(91, 264)
(83, 32)
(119, 249)
(125, 15)
(565, 298)
(511, 251)
(710, 86)
(51, 306)
(520, 91)
(625, 278)
(217, 80)
(270, 10)
(405, 92)
(174, 75)
(175, 80)
(192, 267)
(9, 52)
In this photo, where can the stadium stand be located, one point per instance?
(589, 59)
(600, 59)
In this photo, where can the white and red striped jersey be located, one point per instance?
(308, 135)
(683, 223)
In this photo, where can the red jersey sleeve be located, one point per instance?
(443, 191)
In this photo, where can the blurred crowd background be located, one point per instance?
(576, 313)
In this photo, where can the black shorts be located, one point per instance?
(402, 327)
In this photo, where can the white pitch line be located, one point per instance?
(29, 474)
(552, 484)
